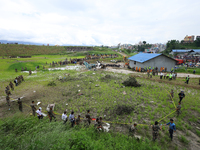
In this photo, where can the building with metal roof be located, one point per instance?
(154, 60)
(185, 51)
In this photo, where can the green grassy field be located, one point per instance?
(103, 95)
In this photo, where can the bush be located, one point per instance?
(131, 81)
(51, 83)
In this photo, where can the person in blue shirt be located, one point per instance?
(172, 128)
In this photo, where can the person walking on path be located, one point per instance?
(33, 108)
(187, 79)
(172, 128)
(72, 119)
(155, 129)
(20, 104)
(64, 117)
(181, 96)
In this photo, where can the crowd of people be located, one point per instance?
(18, 80)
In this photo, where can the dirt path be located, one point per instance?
(123, 54)
(129, 71)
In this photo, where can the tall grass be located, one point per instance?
(20, 132)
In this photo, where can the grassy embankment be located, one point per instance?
(20, 132)
(148, 103)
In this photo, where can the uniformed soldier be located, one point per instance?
(98, 124)
(11, 85)
(88, 118)
(132, 129)
(155, 129)
(30, 72)
(7, 91)
(8, 100)
(22, 77)
(178, 109)
(33, 108)
(20, 104)
(51, 114)
(78, 120)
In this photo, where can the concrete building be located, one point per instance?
(197, 37)
(154, 60)
(189, 39)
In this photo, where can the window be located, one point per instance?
(134, 62)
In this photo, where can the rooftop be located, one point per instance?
(142, 57)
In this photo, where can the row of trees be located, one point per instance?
(175, 44)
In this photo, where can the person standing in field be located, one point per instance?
(172, 128)
(33, 107)
(51, 114)
(187, 79)
(11, 85)
(132, 129)
(8, 101)
(88, 118)
(72, 119)
(161, 75)
(172, 93)
(181, 96)
(155, 129)
(20, 104)
(39, 113)
(64, 117)
(78, 120)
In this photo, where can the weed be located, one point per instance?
(183, 139)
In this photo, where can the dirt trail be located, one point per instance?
(123, 54)
(129, 71)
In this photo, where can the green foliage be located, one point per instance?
(175, 44)
(51, 83)
(183, 139)
(198, 132)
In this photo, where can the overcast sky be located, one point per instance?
(98, 22)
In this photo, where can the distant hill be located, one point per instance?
(20, 42)
(29, 50)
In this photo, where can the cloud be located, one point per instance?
(105, 22)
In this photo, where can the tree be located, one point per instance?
(144, 42)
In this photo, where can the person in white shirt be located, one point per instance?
(161, 75)
(39, 113)
(64, 117)
(71, 118)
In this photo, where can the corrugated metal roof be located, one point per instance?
(142, 57)
(185, 51)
